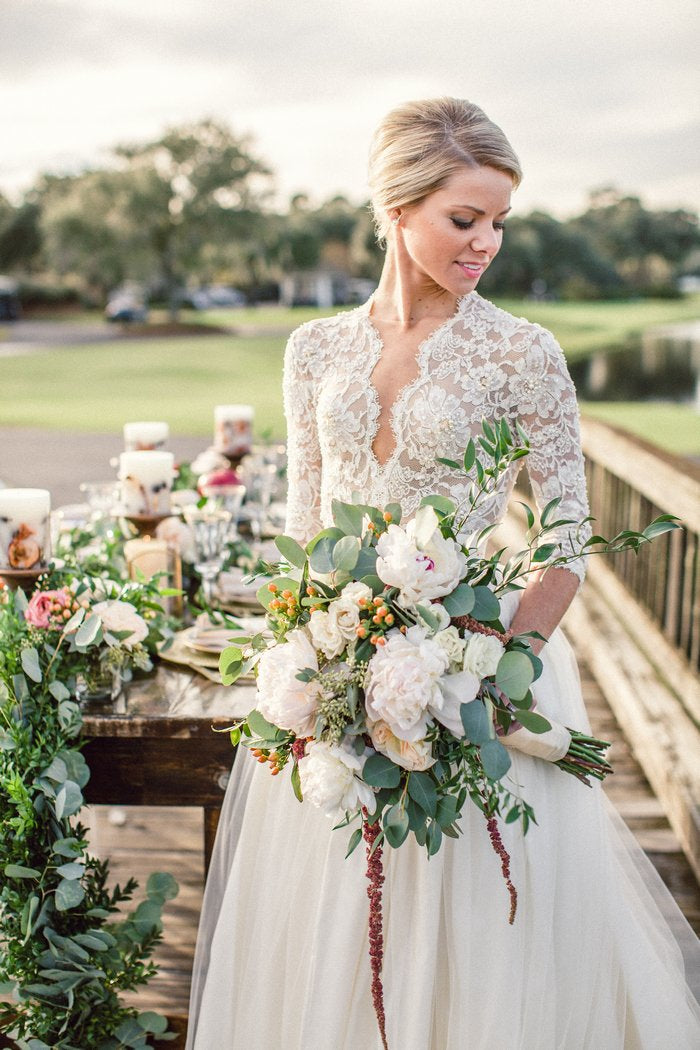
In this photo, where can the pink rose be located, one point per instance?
(38, 612)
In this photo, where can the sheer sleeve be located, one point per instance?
(547, 408)
(300, 388)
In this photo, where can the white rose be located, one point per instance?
(282, 698)
(416, 756)
(325, 634)
(119, 616)
(455, 690)
(419, 560)
(403, 682)
(482, 653)
(345, 610)
(178, 535)
(450, 641)
(330, 778)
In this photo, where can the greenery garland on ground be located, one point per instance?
(66, 953)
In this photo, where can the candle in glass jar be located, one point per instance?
(233, 429)
(24, 528)
(146, 480)
(143, 437)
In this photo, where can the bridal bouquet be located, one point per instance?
(392, 686)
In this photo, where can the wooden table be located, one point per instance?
(156, 746)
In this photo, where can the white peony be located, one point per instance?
(419, 560)
(450, 641)
(325, 633)
(482, 653)
(330, 778)
(281, 697)
(345, 610)
(119, 616)
(455, 689)
(178, 535)
(403, 682)
(416, 756)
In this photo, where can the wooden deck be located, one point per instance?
(140, 840)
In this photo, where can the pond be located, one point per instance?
(664, 366)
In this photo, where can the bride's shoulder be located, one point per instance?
(515, 335)
(317, 340)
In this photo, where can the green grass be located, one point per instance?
(98, 387)
(675, 428)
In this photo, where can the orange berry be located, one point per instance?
(362, 602)
(275, 771)
(66, 614)
(387, 516)
(376, 619)
(402, 628)
(311, 591)
(374, 639)
(287, 595)
(272, 588)
(389, 620)
(382, 611)
(361, 631)
(381, 641)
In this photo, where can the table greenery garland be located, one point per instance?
(391, 685)
(68, 951)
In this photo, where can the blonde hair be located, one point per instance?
(419, 145)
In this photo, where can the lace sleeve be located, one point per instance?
(303, 452)
(546, 405)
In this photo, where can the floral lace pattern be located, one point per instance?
(482, 363)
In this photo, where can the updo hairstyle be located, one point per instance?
(419, 145)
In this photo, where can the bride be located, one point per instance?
(372, 397)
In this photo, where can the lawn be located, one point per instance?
(98, 387)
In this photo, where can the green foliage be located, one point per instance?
(68, 951)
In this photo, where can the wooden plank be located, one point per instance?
(664, 485)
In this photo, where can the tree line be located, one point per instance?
(194, 208)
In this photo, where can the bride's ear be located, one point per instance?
(395, 217)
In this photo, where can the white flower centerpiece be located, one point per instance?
(391, 687)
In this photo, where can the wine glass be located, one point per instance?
(211, 528)
(259, 476)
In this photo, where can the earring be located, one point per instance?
(396, 220)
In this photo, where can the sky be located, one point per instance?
(594, 93)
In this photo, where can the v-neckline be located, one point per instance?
(378, 347)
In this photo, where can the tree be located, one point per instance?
(20, 238)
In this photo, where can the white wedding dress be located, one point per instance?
(591, 962)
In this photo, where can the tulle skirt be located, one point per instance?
(594, 960)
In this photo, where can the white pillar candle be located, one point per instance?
(146, 479)
(24, 528)
(145, 436)
(233, 429)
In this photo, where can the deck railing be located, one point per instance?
(628, 486)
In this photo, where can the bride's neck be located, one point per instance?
(405, 296)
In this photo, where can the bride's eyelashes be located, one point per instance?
(466, 224)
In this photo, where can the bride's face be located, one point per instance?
(453, 234)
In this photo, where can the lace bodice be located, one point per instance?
(482, 363)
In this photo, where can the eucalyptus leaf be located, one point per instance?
(152, 1022)
(19, 871)
(534, 722)
(69, 894)
(296, 782)
(514, 675)
(88, 631)
(291, 550)
(380, 771)
(433, 838)
(366, 564)
(30, 664)
(321, 559)
(423, 792)
(444, 506)
(346, 553)
(71, 870)
(161, 884)
(461, 601)
(58, 690)
(476, 722)
(68, 800)
(347, 517)
(486, 605)
(354, 842)
(495, 759)
(395, 823)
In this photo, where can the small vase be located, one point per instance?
(102, 687)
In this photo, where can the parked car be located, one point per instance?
(125, 308)
(212, 296)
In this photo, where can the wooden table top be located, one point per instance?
(172, 702)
